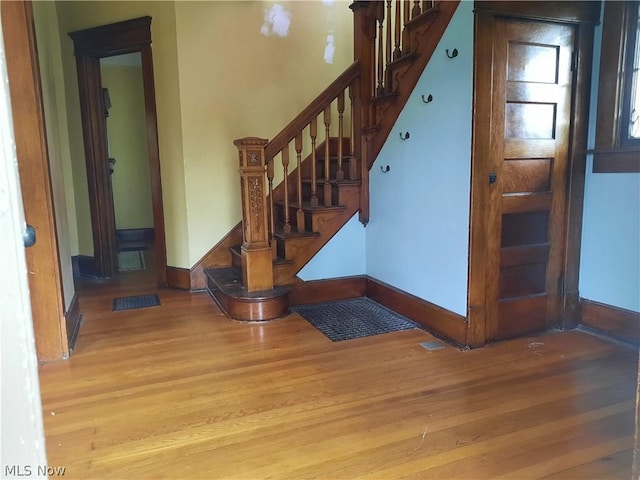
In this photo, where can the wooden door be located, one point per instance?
(43, 258)
(528, 159)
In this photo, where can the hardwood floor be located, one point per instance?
(178, 391)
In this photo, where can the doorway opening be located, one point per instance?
(123, 165)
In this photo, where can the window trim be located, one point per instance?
(611, 154)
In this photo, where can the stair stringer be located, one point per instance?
(426, 33)
(284, 273)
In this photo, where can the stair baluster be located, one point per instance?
(406, 37)
(299, 212)
(285, 168)
(313, 131)
(327, 156)
(339, 172)
(416, 9)
(272, 220)
(380, 18)
(397, 52)
(388, 51)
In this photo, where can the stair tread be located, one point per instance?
(333, 182)
(409, 57)
(420, 19)
(306, 206)
(229, 280)
(386, 96)
(294, 233)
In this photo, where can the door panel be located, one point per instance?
(530, 107)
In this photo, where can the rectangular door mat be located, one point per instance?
(138, 301)
(130, 260)
(349, 319)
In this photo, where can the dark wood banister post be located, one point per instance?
(257, 266)
(364, 35)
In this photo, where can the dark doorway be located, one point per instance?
(90, 46)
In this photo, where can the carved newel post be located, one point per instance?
(257, 267)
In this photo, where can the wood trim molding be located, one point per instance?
(481, 136)
(219, 256)
(179, 278)
(83, 266)
(89, 46)
(135, 235)
(577, 168)
(571, 12)
(118, 38)
(73, 319)
(614, 321)
(439, 321)
(617, 161)
(327, 290)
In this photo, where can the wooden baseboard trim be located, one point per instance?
(328, 290)
(439, 321)
(135, 235)
(616, 322)
(73, 319)
(179, 278)
(83, 266)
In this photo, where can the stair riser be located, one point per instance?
(293, 210)
(333, 168)
(339, 193)
(313, 221)
(287, 247)
(236, 260)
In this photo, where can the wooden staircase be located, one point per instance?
(330, 147)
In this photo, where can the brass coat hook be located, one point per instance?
(405, 137)
(453, 54)
(429, 99)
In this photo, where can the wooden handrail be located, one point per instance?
(318, 105)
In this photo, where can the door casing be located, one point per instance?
(90, 46)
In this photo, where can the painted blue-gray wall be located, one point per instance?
(342, 256)
(418, 236)
(417, 239)
(610, 254)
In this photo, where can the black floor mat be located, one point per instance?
(349, 319)
(138, 301)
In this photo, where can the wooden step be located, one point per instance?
(225, 287)
(338, 189)
(314, 217)
(333, 167)
(288, 244)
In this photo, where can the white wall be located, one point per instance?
(610, 254)
(417, 239)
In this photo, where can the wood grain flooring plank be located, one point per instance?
(180, 391)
